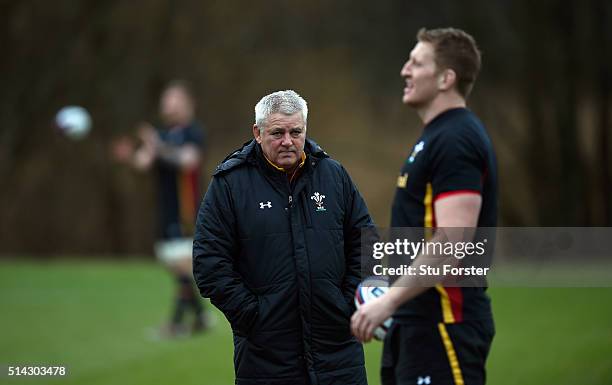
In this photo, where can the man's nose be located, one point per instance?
(405, 70)
(287, 140)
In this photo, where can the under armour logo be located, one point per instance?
(424, 380)
(264, 205)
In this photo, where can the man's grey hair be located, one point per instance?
(287, 102)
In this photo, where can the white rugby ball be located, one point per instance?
(372, 288)
(73, 121)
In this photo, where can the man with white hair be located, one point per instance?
(277, 250)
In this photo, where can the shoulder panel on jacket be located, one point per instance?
(236, 158)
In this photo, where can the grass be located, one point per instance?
(93, 318)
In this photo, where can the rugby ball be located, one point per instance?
(372, 288)
(73, 121)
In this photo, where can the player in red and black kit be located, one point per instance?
(440, 335)
(174, 152)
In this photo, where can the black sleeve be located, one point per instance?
(357, 219)
(214, 249)
(456, 163)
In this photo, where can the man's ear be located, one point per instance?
(256, 133)
(447, 80)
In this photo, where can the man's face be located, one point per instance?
(282, 139)
(176, 107)
(421, 76)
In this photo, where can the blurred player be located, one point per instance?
(174, 152)
(441, 335)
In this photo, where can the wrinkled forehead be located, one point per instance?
(280, 120)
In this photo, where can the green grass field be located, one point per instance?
(93, 318)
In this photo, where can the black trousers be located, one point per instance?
(437, 354)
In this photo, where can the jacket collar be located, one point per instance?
(248, 154)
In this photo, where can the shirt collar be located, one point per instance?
(295, 172)
(281, 168)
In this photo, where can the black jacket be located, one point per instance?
(282, 263)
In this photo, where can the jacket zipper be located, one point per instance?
(307, 213)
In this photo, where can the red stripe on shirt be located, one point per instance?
(455, 192)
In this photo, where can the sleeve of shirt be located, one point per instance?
(196, 135)
(457, 164)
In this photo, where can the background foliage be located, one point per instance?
(544, 94)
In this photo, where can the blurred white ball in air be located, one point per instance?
(73, 121)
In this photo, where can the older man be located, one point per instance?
(277, 250)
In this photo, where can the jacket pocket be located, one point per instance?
(248, 320)
(277, 308)
(329, 304)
